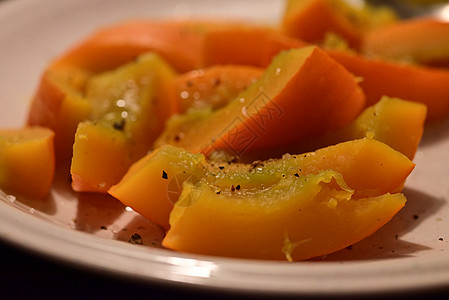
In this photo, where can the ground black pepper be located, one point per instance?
(136, 239)
(119, 125)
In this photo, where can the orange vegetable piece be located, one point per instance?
(177, 42)
(101, 157)
(59, 101)
(236, 44)
(313, 20)
(303, 93)
(129, 109)
(27, 161)
(214, 86)
(314, 220)
(153, 184)
(382, 175)
(59, 105)
(395, 122)
(311, 204)
(277, 43)
(399, 42)
(429, 86)
(245, 45)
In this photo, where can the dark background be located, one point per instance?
(28, 275)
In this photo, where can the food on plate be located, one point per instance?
(283, 142)
(297, 219)
(236, 44)
(59, 104)
(168, 167)
(177, 42)
(159, 174)
(27, 161)
(212, 87)
(393, 121)
(313, 20)
(399, 42)
(426, 85)
(303, 93)
(128, 109)
(244, 204)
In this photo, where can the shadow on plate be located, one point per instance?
(105, 216)
(387, 242)
(435, 132)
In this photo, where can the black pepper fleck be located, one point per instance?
(119, 125)
(415, 217)
(255, 164)
(164, 175)
(103, 227)
(237, 187)
(136, 239)
(440, 238)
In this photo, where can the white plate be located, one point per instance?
(411, 252)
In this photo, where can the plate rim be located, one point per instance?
(166, 267)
